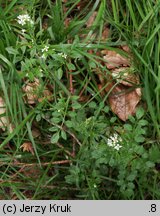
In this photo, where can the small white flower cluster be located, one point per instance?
(45, 49)
(23, 31)
(24, 19)
(63, 55)
(113, 141)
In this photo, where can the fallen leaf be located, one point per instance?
(122, 82)
(123, 102)
(45, 23)
(105, 34)
(114, 59)
(4, 121)
(32, 172)
(91, 19)
(125, 76)
(83, 98)
(35, 132)
(30, 89)
(34, 92)
(27, 146)
(126, 48)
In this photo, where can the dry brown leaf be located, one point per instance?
(45, 23)
(32, 172)
(125, 76)
(125, 96)
(91, 19)
(105, 34)
(123, 103)
(32, 92)
(46, 94)
(27, 146)
(31, 89)
(114, 59)
(4, 121)
(35, 132)
(126, 48)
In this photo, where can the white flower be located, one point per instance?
(63, 55)
(23, 31)
(113, 141)
(24, 19)
(43, 56)
(31, 22)
(40, 72)
(117, 147)
(110, 143)
(45, 49)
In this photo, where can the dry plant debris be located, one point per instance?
(114, 59)
(126, 93)
(123, 102)
(33, 92)
(27, 146)
(4, 121)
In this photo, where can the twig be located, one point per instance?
(35, 164)
(66, 151)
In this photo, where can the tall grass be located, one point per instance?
(138, 23)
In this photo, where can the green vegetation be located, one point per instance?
(63, 141)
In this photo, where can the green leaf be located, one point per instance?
(139, 138)
(150, 164)
(72, 114)
(92, 64)
(106, 109)
(55, 120)
(53, 129)
(71, 66)
(128, 127)
(143, 122)
(113, 119)
(112, 162)
(145, 155)
(92, 105)
(139, 150)
(131, 177)
(131, 185)
(59, 73)
(129, 192)
(132, 119)
(38, 117)
(140, 113)
(154, 153)
(11, 50)
(55, 138)
(63, 134)
(76, 105)
(74, 97)
(69, 124)
(74, 54)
